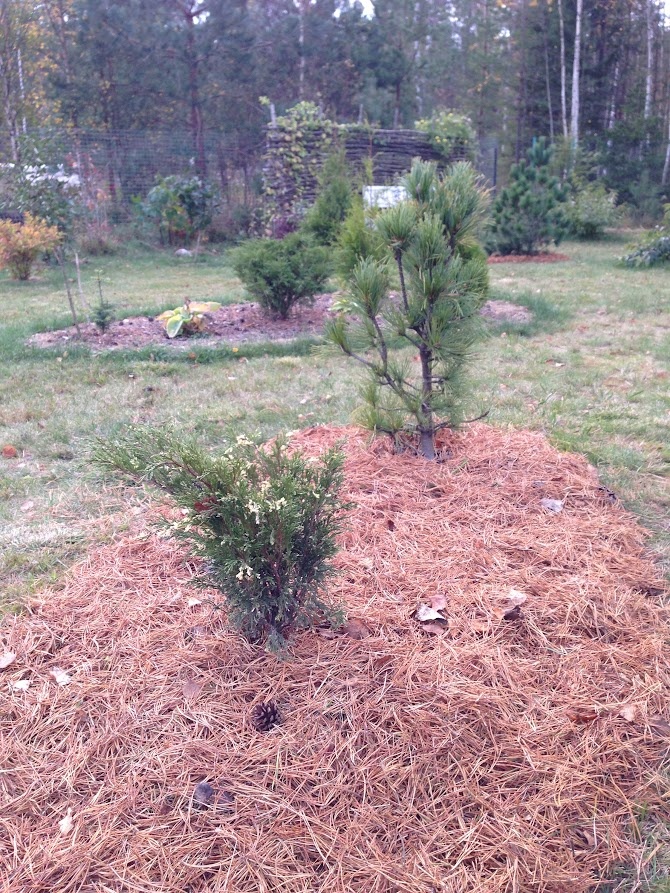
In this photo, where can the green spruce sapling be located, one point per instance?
(264, 521)
(443, 281)
(531, 211)
(103, 311)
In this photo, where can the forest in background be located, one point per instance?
(593, 75)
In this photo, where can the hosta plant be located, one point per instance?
(188, 319)
(263, 519)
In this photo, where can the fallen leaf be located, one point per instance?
(516, 597)
(356, 629)
(6, 658)
(436, 627)
(20, 685)
(326, 632)
(659, 726)
(66, 824)
(9, 451)
(581, 714)
(382, 662)
(480, 626)
(202, 795)
(60, 676)
(225, 799)
(192, 602)
(424, 613)
(438, 602)
(192, 688)
(552, 505)
(27, 506)
(628, 713)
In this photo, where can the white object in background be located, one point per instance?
(383, 196)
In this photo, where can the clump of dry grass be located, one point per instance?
(493, 755)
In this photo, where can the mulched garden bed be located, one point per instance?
(548, 257)
(502, 744)
(233, 324)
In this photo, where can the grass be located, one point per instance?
(591, 371)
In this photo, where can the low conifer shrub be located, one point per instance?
(263, 520)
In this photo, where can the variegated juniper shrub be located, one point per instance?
(263, 519)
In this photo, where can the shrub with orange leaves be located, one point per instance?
(22, 243)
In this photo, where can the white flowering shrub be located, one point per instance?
(263, 520)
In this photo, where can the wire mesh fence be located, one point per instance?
(125, 165)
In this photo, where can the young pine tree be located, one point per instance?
(530, 212)
(443, 280)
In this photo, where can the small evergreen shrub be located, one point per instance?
(22, 243)
(103, 312)
(530, 212)
(281, 274)
(653, 248)
(591, 209)
(264, 521)
(443, 280)
(357, 240)
(324, 218)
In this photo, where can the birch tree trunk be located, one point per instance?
(649, 81)
(564, 103)
(576, 65)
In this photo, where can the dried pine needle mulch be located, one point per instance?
(500, 755)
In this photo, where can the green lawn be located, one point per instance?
(592, 372)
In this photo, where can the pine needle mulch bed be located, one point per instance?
(505, 747)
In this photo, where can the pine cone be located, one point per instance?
(265, 715)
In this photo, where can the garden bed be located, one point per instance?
(547, 257)
(234, 324)
(505, 747)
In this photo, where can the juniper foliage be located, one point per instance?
(264, 521)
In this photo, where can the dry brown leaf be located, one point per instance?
(659, 726)
(6, 658)
(628, 713)
(356, 629)
(480, 626)
(326, 632)
(60, 676)
(438, 602)
(20, 685)
(425, 612)
(436, 627)
(66, 824)
(516, 597)
(192, 688)
(382, 662)
(192, 602)
(552, 505)
(581, 714)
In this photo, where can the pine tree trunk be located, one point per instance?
(427, 429)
